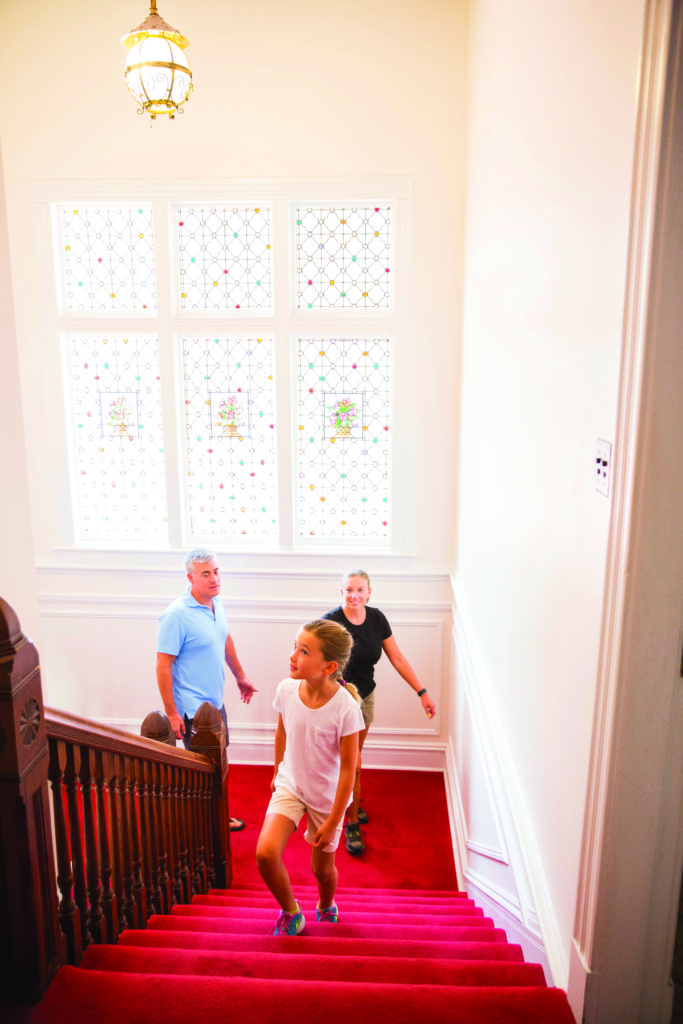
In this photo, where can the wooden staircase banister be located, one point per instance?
(62, 725)
(139, 825)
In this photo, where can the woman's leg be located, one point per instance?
(355, 800)
(274, 836)
(325, 872)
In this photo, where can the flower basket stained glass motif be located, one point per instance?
(107, 258)
(119, 414)
(224, 258)
(230, 437)
(343, 257)
(343, 439)
(114, 415)
(229, 414)
(344, 415)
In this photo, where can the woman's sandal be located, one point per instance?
(236, 825)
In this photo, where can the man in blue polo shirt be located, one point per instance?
(193, 641)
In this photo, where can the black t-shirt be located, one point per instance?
(367, 646)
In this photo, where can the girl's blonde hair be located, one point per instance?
(335, 642)
(352, 690)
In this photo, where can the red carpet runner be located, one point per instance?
(407, 947)
(395, 956)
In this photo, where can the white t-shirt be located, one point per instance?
(310, 767)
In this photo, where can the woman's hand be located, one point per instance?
(429, 705)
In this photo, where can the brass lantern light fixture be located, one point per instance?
(158, 73)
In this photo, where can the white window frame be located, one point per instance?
(287, 324)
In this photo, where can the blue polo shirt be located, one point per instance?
(196, 637)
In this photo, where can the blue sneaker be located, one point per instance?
(290, 924)
(330, 914)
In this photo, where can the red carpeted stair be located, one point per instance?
(395, 956)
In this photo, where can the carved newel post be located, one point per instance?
(208, 737)
(31, 944)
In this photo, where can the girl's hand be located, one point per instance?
(272, 781)
(325, 833)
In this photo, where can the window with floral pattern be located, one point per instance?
(193, 396)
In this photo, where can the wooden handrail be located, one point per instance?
(139, 825)
(62, 725)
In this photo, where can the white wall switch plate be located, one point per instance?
(602, 467)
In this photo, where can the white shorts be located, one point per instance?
(290, 806)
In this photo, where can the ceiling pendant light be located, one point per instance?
(157, 71)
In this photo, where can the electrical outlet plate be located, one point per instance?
(602, 467)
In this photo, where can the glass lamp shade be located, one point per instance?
(158, 75)
(157, 71)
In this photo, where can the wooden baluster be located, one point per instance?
(206, 830)
(115, 837)
(156, 726)
(110, 931)
(152, 838)
(208, 737)
(198, 831)
(143, 822)
(96, 922)
(174, 773)
(71, 776)
(129, 908)
(139, 890)
(69, 916)
(181, 807)
(161, 829)
(192, 829)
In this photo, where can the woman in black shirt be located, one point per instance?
(371, 634)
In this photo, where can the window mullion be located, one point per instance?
(170, 383)
(284, 394)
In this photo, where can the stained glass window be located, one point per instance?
(224, 255)
(115, 416)
(343, 257)
(107, 258)
(344, 413)
(230, 436)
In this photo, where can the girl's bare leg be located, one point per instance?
(326, 876)
(274, 835)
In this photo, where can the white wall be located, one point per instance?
(17, 571)
(552, 96)
(300, 90)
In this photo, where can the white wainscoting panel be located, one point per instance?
(99, 651)
(496, 851)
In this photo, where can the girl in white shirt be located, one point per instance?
(316, 748)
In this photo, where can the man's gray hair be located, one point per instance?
(198, 555)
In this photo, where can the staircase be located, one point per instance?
(395, 956)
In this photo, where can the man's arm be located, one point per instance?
(348, 750)
(247, 689)
(165, 684)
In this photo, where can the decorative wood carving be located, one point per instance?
(32, 947)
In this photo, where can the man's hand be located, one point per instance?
(247, 689)
(177, 724)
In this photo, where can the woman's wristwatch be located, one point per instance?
(423, 690)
